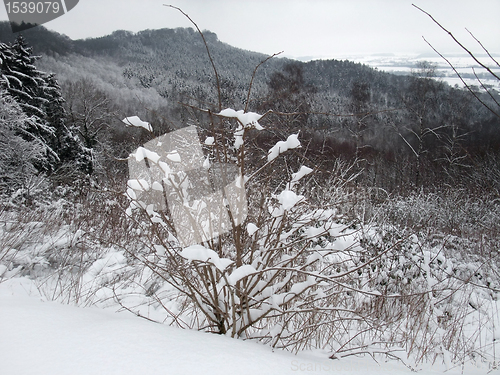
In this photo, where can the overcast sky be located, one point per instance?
(314, 28)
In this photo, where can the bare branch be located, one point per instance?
(484, 88)
(253, 76)
(463, 81)
(484, 49)
(460, 44)
(208, 52)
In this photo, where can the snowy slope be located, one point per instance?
(48, 338)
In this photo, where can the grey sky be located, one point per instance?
(316, 28)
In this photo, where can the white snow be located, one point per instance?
(141, 153)
(48, 338)
(238, 137)
(157, 186)
(248, 119)
(206, 163)
(202, 254)
(252, 228)
(164, 167)
(288, 199)
(137, 122)
(174, 156)
(303, 171)
(282, 146)
(3, 268)
(139, 185)
(241, 272)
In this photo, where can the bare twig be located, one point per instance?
(485, 89)
(469, 88)
(253, 76)
(460, 44)
(217, 80)
(484, 49)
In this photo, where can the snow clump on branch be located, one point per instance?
(137, 122)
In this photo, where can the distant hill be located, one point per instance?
(157, 69)
(42, 40)
(174, 62)
(341, 108)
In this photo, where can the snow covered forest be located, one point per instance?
(321, 207)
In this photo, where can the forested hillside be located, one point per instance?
(414, 123)
(303, 205)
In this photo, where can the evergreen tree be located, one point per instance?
(20, 154)
(290, 93)
(26, 85)
(39, 96)
(68, 145)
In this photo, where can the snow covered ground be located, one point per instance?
(48, 338)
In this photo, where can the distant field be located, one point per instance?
(406, 64)
(465, 65)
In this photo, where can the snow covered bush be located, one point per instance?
(247, 252)
(285, 265)
(57, 240)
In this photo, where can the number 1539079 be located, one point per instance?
(31, 7)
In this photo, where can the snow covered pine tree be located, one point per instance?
(39, 96)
